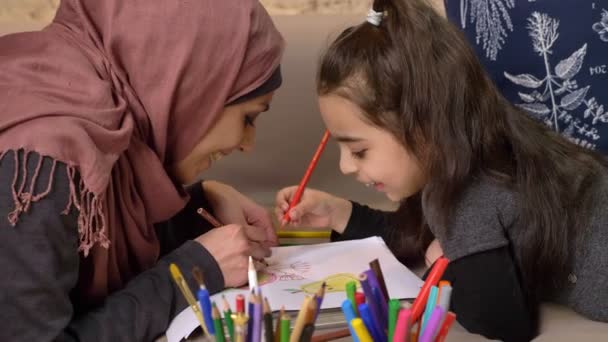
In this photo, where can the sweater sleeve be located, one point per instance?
(488, 297)
(39, 255)
(187, 224)
(365, 222)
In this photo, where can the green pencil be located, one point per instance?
(351, 288)
(228, 318)
(393, 310)
(217, 324)
(285, 322)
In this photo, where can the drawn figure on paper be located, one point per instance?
(601, 27)
(552, 97)
(492, 22)
(280, 272)
(333, 283)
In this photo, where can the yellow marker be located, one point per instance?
(361, 330)
(303, 234)
(183, 287)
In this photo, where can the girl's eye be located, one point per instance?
(249, 121)
(359, 154)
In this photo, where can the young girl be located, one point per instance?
(519, 211)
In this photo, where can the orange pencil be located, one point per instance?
(313, 163)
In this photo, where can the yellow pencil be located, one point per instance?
(360, 330)
(183, 287)
(292, 234)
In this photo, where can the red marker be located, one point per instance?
(431, 280)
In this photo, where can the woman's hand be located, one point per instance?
(231, 247)
(230, 206)
(316, 209)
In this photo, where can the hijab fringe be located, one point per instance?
(91, 217)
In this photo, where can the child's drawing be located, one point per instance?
(333, 283)
(281, 272)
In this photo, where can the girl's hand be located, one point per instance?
(316, 209)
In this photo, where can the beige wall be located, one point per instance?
(42, 11)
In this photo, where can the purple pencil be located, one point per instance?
(432, 325)
(257, 320)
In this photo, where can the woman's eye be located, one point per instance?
(359, 154)
(249, 121)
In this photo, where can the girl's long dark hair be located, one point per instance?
(416, 76)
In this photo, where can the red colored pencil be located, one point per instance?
(313, 163)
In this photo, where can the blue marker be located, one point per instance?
(366, 316)
(431, 303)
(349, 314)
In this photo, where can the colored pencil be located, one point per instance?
(320, 296)
(207, 216)
(228, 318)
(292, 234)
(300, 320)
(220, 336)
(313, 163)
(268, 332)
(277, 332)
(285, 322)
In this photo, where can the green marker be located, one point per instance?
(393, 310)
(351, 288)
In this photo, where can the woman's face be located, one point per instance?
(233, 130)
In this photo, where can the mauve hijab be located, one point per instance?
(118, 90)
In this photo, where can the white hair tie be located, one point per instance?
(374, 18)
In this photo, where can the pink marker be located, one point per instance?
(402, 328)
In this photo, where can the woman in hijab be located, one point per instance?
(104, 114)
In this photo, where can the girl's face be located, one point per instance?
(373, 155)
(233, 130)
